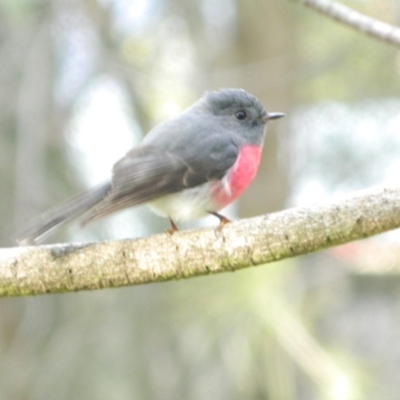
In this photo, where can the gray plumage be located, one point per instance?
(198, 146)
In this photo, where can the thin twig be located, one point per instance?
(346, 15)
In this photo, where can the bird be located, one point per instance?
(185, 168)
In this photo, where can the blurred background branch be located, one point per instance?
(346, 15)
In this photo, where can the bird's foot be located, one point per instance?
(173, 228)
(222, 220)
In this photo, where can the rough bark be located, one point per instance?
(241, 244)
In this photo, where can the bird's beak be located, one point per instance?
(273, 115)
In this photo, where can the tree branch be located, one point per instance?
(373, 27)
(241, 244)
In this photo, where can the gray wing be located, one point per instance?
(151, 171)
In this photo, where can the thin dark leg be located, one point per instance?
(222, 220)
(173, 229)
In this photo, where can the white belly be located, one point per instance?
(186, 205)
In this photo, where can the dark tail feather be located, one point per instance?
(62, 214)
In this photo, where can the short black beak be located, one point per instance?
(274, 115)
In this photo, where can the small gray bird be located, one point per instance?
(186, 167)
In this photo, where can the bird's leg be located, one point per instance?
(173, 229)
(222, 220)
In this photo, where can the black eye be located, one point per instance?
(241, 115)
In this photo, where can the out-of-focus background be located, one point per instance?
(81, 82)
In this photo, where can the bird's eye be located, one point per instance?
(241, 115)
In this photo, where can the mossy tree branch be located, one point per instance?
(241, 244)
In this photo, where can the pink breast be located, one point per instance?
(239, 176)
